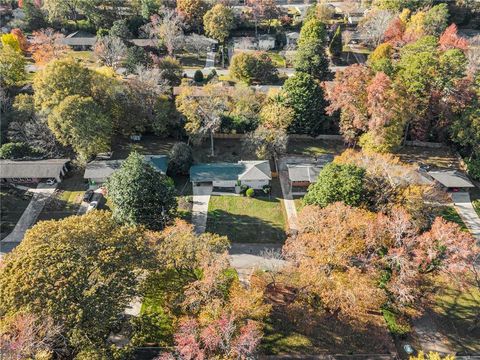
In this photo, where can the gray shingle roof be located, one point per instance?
(303, 172)
(102, 169)
(451, 178)
(243, 170)
(40, 169)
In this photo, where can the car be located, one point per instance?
(88, 195)
(51, 182)
(93, 205)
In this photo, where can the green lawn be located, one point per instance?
(476, 206)
(450, 214)
(247, 220)
(315, 147)
(13, 203)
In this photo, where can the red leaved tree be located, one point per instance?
(450, 39)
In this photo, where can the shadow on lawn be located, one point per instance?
(295, 331)
(244, 228)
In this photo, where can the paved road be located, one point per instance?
(468, 214)
(201, 197)
(40, 197)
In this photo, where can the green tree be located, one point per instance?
(34, 17)
(311, 57)
(136, 56)
(141, 195)
(436, 20)
(11, 41)
(12, 67)
(337, 182)
(305, 96)
(336, 47)
(18, 150)
(249, 67)
(193, 11)
(180, 159)
(79, 122)
(120, 30)
(380, 59)
(80, 271)
(171, 70)
(399, 5)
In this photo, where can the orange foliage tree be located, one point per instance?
(46, 45)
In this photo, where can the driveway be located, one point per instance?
(41, 195)
(290, 208)
(201, 197)
(468, 214)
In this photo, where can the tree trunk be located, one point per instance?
(211, 142)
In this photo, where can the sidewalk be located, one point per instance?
(201, 198)
(468, 214)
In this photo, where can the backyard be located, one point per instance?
(248, 220)
(13, 203)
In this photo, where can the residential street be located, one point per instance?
(468, 214)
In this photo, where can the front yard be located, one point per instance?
(13, 203)
(248, 220)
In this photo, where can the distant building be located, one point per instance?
(302, 172)
(32, 171)
(254, 174)
(451, 179)
(97, 172)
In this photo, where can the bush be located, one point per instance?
(213, 75)
(198, 76)
(18, 150)
(243, 189)
(473, 168)
(267, 189)
(396, 326)
(181, 158)
(250, 192)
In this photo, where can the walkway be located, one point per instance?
(201, 197)
(40, 197)
(468, 214)
(290, 208)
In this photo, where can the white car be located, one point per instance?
(93, 205)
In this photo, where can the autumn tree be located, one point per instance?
(311, 56)
(141, 195)
(249, 67)
(218, 22)
(203, 112)
(12, 67)
(21, 38)
(180, 158)
(336, 47)
(375, 24)
(167, 30)
(9, 40)
(451, 40)
(306, 97)
(262, 10)
(193, 12)
(80, 271)
(46, 45)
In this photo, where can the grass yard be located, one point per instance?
(13, 203)
(192, 60)
(450, 214)
(456, 313)
(247, 220)
(443, 157)
(315, 147)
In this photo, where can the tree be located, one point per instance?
(337, 182)
(170, 70)
(249, 67)
(18, 150)
(197, 44)
(193, 12)
(450, 39)
(336, 47)
(80, 271)
(60, 10)
(267, 143)
(203, 113)
(431, 356)
(380, 59)
(120, 30)
(9, 40)
(46, 45)
(12, 67)
(136, 56)
(110, 50)
(262, 10)
(373, 27)
(399, 5)
(34, 17)
(24, 335)
(275, 115)
(305, 96)
(167, 29)
(22, 40)
(141, 195)
(198, 76)
(180, 158)
(218, 21)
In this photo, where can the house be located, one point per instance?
(32, 171)
(451, 179)
(254, 174)
(98, 171)
(302, 172)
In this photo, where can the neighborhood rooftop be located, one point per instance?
(451, 178)
(243, 170)
(40, 169)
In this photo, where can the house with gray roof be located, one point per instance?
(32, 171)
(254, 174)
(451, 179)
(304, 171)
(98, 171)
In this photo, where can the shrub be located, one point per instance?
(18, 150)
(473, 168)
(267, 189)
(396, 326)
(243, 189)
(249, 67)
(198, 76)
(250, 192)
(213, 75)
(181, 158)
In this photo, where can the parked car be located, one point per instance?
(88, 195)
(93, 205)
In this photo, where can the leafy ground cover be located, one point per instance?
(247, 220)
(13, 203)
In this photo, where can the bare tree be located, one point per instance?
(197, 43)
(167, 29)
(374, 25)
(110, 50)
